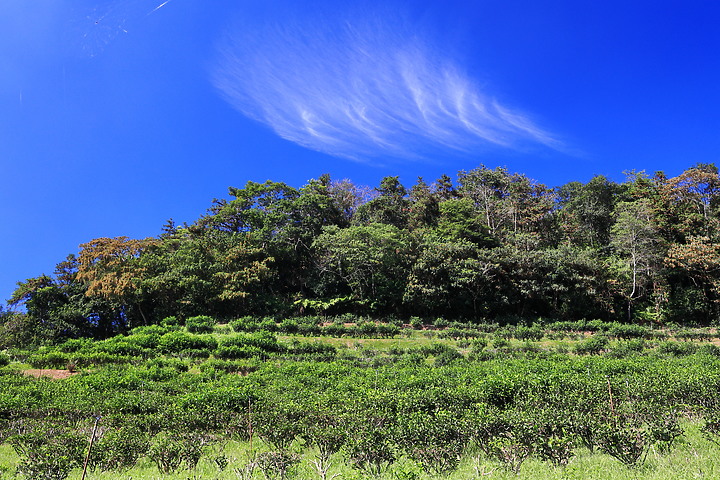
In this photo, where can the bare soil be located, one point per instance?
(48, 372)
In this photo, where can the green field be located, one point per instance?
(604, 401)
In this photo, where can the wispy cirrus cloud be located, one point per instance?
(362, 90)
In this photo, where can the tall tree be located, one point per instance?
(391, 206)
(372, 261)
(424, 206)
(693, 200)
(636, 240)
(110, 270)
(585, 213)
(259, 208)
(512, 205)
(698, 260)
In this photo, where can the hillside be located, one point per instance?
(493, 246)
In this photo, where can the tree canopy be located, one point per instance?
(492, 244)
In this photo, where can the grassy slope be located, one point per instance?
(693, 457)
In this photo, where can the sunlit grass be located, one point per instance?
(692, 457)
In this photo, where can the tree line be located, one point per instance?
(490, 245)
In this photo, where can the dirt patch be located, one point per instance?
(48, 372)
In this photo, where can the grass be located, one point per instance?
(692, 457)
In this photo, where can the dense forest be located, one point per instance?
(491, 245)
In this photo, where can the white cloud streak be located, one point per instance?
(364, 91)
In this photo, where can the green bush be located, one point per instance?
(181, 342)
(168, 363)
(288, 326)
(147, 341)
(152, 329)
(228, 366)
(74, 345)
(627, 331)
(593, 345)
(334, 330)
(677, 349)
(534, 333)
(440, 323)
(48, 452)
(171, 321)
(200, 324)
(308, 348)
(245, 324)
(49, 360)
(235, 351)
(263, 340)
(628, 347)
(119, 448)
(119, 346)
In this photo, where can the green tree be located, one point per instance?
(512, 205)
(458, 220)
(692, 201)
(696, 286)
(635, 239)
(206, 271)
(585, 213)
(259, 208)
(424, 206)
(110, 270)
(452, 277)
(391, 206)
(372, 261)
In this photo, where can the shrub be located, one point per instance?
(74, 345)
(596, 326)
(245, 324)
(676, 348)
(710, 350)
(169, 363)
(236, 351)
(147, 341)
(89, 359)
(593, 345)
(334, 330)
(534, 333)
(4, 359)
(263, 340)
(277, 465)
(289, 326)
(477, 345)
(370, 450)
(626, 441)
(200, 324)
(49, 360)
(152, 329)
(440, 323)
(268, 324)
(228, 366)
(181, 342)
(513, 445)
(119, 346)
(119, 449)
(627, 331)
(387, 330)
(171, 450)
(628, 347)
(312, 348)
(48, 452)
(171, 321)
(366, 329)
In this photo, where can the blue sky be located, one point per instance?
(117, 115)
